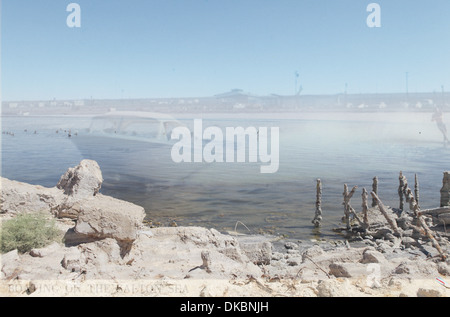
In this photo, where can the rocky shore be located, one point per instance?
(107, 250)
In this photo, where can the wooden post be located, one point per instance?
(318, 215)
(365, 208)
(412, 202)
(374, 189)
(347, 208)
(416, 188)
(401, 188)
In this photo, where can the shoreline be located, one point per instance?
(109, 251)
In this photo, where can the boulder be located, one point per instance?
(106, 217)
(372, 256)
(349, 269)
(77, 197)
(9, 264)
(17, 197)
(82, 181)
(340, 270)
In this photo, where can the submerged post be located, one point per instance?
(375, 190)
(318, 216)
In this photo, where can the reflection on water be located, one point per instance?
(336, 150)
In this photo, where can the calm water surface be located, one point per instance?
(337, 149)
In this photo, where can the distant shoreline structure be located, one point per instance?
(236, 101)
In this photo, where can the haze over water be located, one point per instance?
(338, 148)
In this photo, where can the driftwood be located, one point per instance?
(440, 215)
(430, 236)
(414, 206)
(435, 211)
(318, 215)
(383, 210)
(406, 195)
(353, 213)
(347, 208)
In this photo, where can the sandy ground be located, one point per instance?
(168, 262)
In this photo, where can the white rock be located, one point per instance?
(72, 260)
(9, 263)
(107, 217)
(43, 252)
(17, 197)
(82, 181)
(372, 256)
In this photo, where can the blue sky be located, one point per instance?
(188, 48)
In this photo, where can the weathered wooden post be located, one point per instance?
(318, 215)
(401, 188)
(416, 189)
(375, 190)
(347, 208)
(445, 190)
(365, 208)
